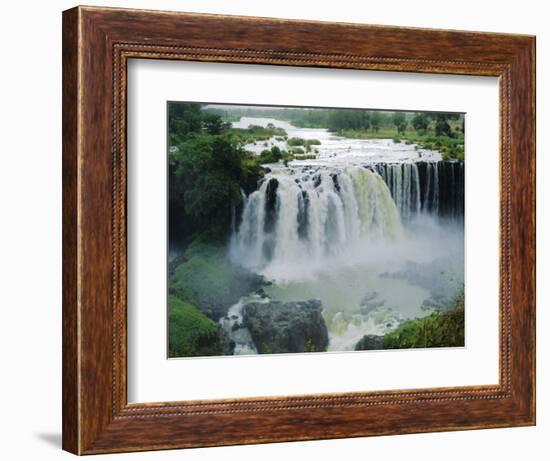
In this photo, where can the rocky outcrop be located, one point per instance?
(369, 343)
(278, 327)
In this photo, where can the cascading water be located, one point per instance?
(403, 181)
(308, 213)
(432, 187)
(360, 229)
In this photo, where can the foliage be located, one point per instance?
(209, 164)
(190, 332)
(272, 155)
(442, 127)
(208, 168)
(348, 118)
(208, 280)
(204, 279)
(450, 147)
(313, 142)
(420, 122)
(376, 121)
(296, 142)
(400, 122)
(437, 330)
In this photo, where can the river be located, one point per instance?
(372, 228)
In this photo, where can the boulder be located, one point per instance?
(369, 343)
(278, 327)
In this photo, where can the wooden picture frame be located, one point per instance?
(97, 44)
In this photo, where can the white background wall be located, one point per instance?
(30, 229)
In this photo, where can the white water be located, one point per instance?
(232, 324)
(336, 223)
(337, 150)
(334, 232)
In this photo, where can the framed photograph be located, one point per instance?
(282, 230)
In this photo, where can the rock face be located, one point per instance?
(369, 343)
(278, 327)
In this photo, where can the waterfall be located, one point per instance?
(303, 213)
(309, 213)
(432, 187)
(403, 181)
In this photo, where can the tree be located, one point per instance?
(442, 127)
(183, 118)
(420, 122)
(348, 119)
(208, 172)
(212, 123)
(400, 122)
(375, 120)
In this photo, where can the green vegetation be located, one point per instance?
(420, 122)
(313, 142)
(205, 278)
(255, 133)
(441, 131)
(297, 150)
(437, 330)
(208, 280)
(305, 156)
(300, 145)
(190, 332)
(450, 148)
(296, 142)
(209, 166)
(400, 122)
(437, 131)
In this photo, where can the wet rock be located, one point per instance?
(270, 204)
(228, 345)
(335, 182)
(278, 327)
(369, 343)
(261, 293)
(316, 181)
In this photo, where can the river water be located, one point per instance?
(358, 227)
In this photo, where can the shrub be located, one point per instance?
(313, 142)
(190, 332)
(296, 142)
(437, 330)
(297, 150)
